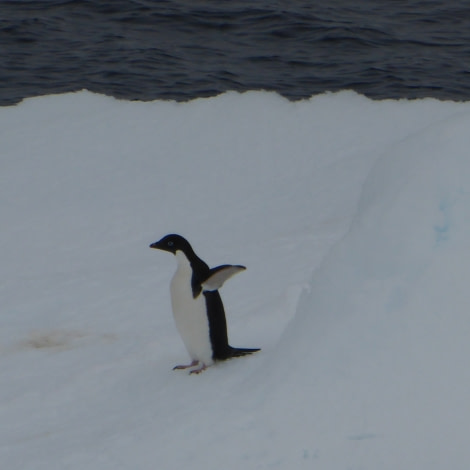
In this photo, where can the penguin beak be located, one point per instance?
(164, 244)
(160, 245)
(155, 245)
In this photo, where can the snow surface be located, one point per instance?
(353, 218)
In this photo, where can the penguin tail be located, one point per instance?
(228, 352)
(238, 352)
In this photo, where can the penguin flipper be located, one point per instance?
(217, 276)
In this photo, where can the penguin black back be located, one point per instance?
(218, 329)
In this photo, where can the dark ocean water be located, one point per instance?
(182, 49)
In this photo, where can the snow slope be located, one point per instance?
(352, 217)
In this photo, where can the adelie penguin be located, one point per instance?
(197, 307)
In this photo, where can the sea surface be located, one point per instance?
(183, 49)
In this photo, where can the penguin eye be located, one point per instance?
(170, 243)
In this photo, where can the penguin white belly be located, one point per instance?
(190, 314)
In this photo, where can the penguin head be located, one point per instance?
(172, 243)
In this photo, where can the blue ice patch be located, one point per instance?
(441, 231)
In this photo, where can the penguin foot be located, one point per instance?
(199, 370)
(186, 366)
